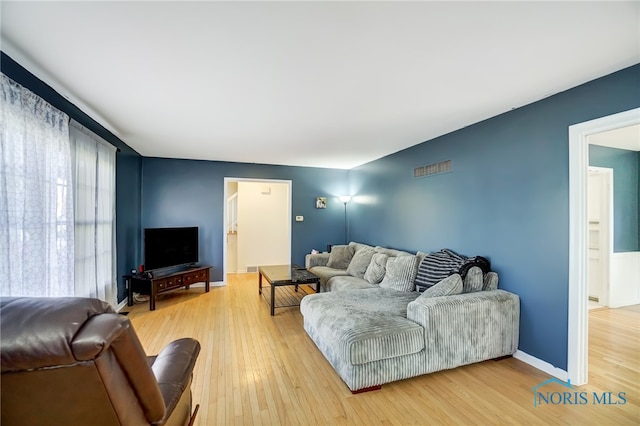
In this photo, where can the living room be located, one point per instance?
(507, 197)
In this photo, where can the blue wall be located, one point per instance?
(506, 198)
(191, 193)
(128, 208)
(626, 184)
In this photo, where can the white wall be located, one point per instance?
(264, 228)
(625, 279)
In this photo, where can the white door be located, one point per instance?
(599, 234)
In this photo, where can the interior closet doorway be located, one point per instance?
(257, 224)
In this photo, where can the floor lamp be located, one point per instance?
(345, 199)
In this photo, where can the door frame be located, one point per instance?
(224, 216)
(606, 230)
(577, 342)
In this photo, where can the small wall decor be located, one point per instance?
(321, 202)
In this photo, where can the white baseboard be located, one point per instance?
(541, 365)
(121, 305)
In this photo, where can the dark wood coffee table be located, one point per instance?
(286, 275)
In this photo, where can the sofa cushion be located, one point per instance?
(347, 282)
(490, 281)
(340, 257)
(401, 273)
(473, 281)
(377, 268)
(325, 274)
(364, 326)
(360, 261)
(421, 255)
(359, 246)
(392, 252)
(447, 287)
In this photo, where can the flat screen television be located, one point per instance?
(166, 247)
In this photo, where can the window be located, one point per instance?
(57, 202)
(94, 182)
(36, 211)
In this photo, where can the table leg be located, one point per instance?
(273, 300)
(260, 283)
(152, 297)
(128, 283)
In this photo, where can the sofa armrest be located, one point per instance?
(469, 327)
(173, 368)
(319, 259)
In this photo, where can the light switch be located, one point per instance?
(299, 218)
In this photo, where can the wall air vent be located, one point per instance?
(432, 169)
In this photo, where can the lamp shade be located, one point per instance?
(345, 198)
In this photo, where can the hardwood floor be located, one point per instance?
(255, 369)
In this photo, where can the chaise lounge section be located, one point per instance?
(373, 335)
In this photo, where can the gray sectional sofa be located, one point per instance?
(374, 328)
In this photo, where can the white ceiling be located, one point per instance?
(623, 138)
(322, 84)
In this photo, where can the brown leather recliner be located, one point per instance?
(74, 361)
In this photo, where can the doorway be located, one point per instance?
(257, 224)
(577, 350)
(599, 214)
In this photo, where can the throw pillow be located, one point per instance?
(473, 281)
(360, 261)
(490, 281)
(377, 268)
(401, 273)
(340, 257)
(420, 255)
(447, 287)
(392, 252)
(437, 266)
(359, 246)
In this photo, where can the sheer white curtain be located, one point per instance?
(94, 210)
(36, 210)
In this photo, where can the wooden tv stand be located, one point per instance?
(159, 284)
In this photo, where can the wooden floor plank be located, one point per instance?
(255, 369)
